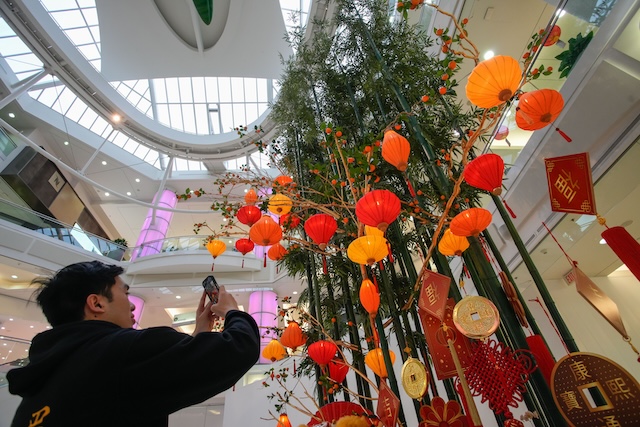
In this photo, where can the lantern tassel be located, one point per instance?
(294, 367)
(625, 246)
(544, 359)
(513, 215)
(410, 187)
(324, 265)
(564, 135)
(376, 337)
(242, 262)
(212, 265)
(265, 261)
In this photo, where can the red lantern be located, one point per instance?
(276, 252)
(321, 227)
(338, 370)
(282, 180)
(378, 208)
(396, 149)
(470, 222)
(244, 246)
(485, 172)
(293, 337)
(538, 108)
(289, 221)
(322, 352)
(249, 215)
(283, 421)
(625, 246)
(369, 296)
(251, 197)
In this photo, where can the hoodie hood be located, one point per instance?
(50, 348)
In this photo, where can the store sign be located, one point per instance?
(570, 185)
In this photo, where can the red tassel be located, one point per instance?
(544, 359)
(390, 254)
(411, 190)
(265, 260)
(324, 265)
(242, 262)
(513, 215)
(212, 264)
(564, 135)
(625, 246)
(381, 265)
(376, 337)
(294, 366)
(375, 283)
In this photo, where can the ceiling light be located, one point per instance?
(137, 179)
(488, 54)
(31, 326)
(11, 319)
(295, 292)
(104, 163)
(246, 190)
(2, 327)
(178, 297)
(116, 118)
(602, 242)
(106, 194)
(66, 143)
(13, 116)
(128, 193)
(13, 276)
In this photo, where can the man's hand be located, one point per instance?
(226, 302)
(204, 317)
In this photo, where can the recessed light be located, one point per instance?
(128, 193)
(116, 118)
(2, 327)
(488, 54)
(104, 163)
(178, 297)
(246, 190)
(48, 326)
(295, 292)
(13, 116)
(13, 276)
(137, 179)
(107, 194)
(11, 319)
(66, 143)
(31, 326)
(602, 242)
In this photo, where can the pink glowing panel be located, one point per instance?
(261, 251)
(152, 234)
(137, 312)
(263, 307)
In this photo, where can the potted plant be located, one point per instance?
(121, 242)
(570, 56)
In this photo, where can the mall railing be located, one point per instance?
(13, 354)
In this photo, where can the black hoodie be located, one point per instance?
(95, 373)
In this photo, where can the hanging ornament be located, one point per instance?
(396, 149)
(274, 351)
(293, 337)
(251, 197)
(553, 37)
(539, 108)
(414, 378)
(493, 81)
(372, 231)
(280, 204)
(543, 357)
(375, 361)
(289, 221)
(276, 252)
(441, 414)
(501, 134)
(485, 172)
(378, 208)
(367, 250)
(322, 352)
(369, 296)
(283, 421)
(470, 222)
(321, 228)
(332, 412)
(625, 246)
(512, 297)
(282, 180)
(450, 244)
(249, 215)
(216, 248)
(476, 317)
(244, 246)
(338, 370)
(265, 232)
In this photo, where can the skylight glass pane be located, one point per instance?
(239, 115)
(250, 90)
(88, 118)
(199, 94)
(162, 110)
(48, 96)
(10, 46)
(80, 36)
(188, 118)
(89, 51)
(68, 18)
(95, 33)
(119, 139)
(237, 89)
(173, 91)
(224, 86)
(180, 164)
(211, 85)
(251, 112)
(195, 165)
(28, 63)
(159, 90)
(64, 101)
(175, 115)
(141, 86)
(142, 151)
(185, 89)
(153, 158)
(90, 15)
(145, 106)
(261, 86)
(131, 146)
(86, 3)
(101, 127)
(5, 29)
(226, 115)
(202, 119)
(134, 98)
(76, 110)
(52, 5)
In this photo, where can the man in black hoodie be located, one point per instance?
(93, 369)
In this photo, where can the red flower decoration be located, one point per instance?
(441, 414)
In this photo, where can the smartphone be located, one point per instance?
(212, 288)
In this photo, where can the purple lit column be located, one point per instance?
(263, 307)
(137, 312)
(154, 231)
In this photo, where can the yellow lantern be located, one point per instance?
(280, 204)
(375, 361)
(367, 249)
(494, 81)
(451, 245)
(274, 351)
(372, 231)
(216, 248)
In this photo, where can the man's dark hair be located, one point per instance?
(63, 296)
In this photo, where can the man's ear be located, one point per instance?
(95, 303)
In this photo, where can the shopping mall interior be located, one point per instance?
(106, 105)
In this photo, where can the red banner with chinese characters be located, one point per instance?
(570, 185)
(437, 333)
(434, 293)
(388, 405)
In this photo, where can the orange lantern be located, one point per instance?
(274, 351)
(554, 36)
(215, 248)
(283, 421)
(470, 222)
(265, 232)
(372, 231)
(283, 180)
(251, 197)
(369, 296)
(293, 337)
(367, 249)
(378, 208)
(494, 81)
(322, 352)
(485, 172)
(321, 227)
(276, 252)
(244, 246)
(375, 361)
(280, 204)
(396, 149)
(538, 108)
(451, 245)
(249, 215)
(289, 221)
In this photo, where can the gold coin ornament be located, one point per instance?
(414, 378)
(476, 317)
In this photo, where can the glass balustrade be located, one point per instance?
(14, 353)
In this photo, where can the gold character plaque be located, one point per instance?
(414, 378)
(476, 317)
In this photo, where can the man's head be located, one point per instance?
(85, 291)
